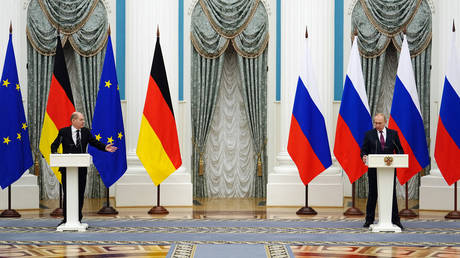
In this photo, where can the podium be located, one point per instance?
(72, 162)
(385, 165)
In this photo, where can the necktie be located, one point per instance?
(382, 140)
(78, 145)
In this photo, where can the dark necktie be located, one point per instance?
(78, 145)
(382, 140)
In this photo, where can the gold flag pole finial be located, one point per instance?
(306, 32)
(11, 28)
(109, 31)
(158, 31)
(453, 25)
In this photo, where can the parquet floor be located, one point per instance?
(217, 209)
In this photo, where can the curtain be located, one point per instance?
(215, 24)
(83, 25)
(380, 27)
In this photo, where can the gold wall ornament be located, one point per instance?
(201, 166)
(259, 166)
(388, 160)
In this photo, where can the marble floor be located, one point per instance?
(218, 209)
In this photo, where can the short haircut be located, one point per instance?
(382, 115)
(73, 116)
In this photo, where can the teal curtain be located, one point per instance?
(83, 25)
(215, 24)
(380, 27)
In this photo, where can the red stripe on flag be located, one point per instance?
(162, 121)
(348, 152)
(404, 174)
(59, 107)
(446, 154)
(302, 154)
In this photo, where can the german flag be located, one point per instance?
(59, 108)
(158, 145)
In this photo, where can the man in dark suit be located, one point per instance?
(380, 140)
(75, 139)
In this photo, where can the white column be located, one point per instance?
(433, 187)
(284, 184)
(136, 188)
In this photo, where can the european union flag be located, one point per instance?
(107, 124)
(15, 153)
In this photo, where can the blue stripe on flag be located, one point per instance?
(409, 120)
(354, 113)
(311, 121)
(450, 111)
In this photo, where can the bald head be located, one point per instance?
(78, 120)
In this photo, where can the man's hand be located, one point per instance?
(365, 159)
(110, 147)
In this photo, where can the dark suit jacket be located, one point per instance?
(371, 144)
(64, 137)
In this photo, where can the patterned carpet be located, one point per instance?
(325, 232)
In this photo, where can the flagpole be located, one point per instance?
(58, 212)
(353, 211)
(107, 209)
(455, 214)
(407, 213)
(9, 213)
(158, 209)
(306, 210)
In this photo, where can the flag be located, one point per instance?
(308, 145)
(15, 153)
(406, 118)
(354, 119)
(107, 125)
(158, 144)
(446, 150)
(59, 108)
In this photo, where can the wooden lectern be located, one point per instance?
(386, 164)
(72, 162)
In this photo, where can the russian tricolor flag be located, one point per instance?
(354, 119)
(447, 152)
(308, 145)
(406, 118)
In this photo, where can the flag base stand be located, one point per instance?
(107, 210)
(306, 211)
(453, 215)
(158, 210)
(10, 214)
(58, 212)
(353, 212)
(407, 213)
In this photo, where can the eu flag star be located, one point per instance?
(17, 87)
(5, 83)
(98, 137)
(19, 136)
(120, 135)
(6, 140)
(110, 140)
(24, 126)
(107, 84)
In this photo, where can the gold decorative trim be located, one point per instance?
(420, 50)
(378, 53)
(381, 30)
(34, 46)
(64, 30)
(86, 54)
(218, 30)
(202, 53)
(244, 54)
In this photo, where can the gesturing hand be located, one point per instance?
(110, 147)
